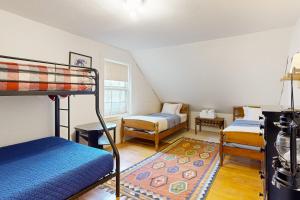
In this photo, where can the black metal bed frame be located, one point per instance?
(94, 91)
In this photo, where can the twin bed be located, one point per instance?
(156, 126)
(52, 168)
(243, 137)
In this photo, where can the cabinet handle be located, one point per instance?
(261, 194)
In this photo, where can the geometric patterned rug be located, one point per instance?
(184, 170)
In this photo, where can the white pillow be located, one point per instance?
(170, 108)
(245, 108)
(178, 108)
(251, 113)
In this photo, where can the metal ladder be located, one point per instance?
(68, 123)
(58, 109)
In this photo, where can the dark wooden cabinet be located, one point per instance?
(270, 133)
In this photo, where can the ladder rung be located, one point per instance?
(63, 109)
(63, 126)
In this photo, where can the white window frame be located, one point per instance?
(129, 89)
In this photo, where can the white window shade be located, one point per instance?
(115, 72)
(116, 91)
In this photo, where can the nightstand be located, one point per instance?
(216, 122)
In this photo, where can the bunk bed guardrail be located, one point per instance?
(93, 91)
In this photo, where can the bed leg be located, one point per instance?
(156, 139)
(122, 131)
(156, 142)
(118, 186)
(221, 148)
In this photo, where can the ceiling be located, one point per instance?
(162, 23)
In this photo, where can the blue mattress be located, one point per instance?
(50, 168)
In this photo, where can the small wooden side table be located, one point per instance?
(216, 122)
(93, 134)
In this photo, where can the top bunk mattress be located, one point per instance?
(50, 168)
(247, 126)
(25, 77)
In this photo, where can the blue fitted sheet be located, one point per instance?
(246, 123)
(50, 168)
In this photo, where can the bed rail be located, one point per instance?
(46, 78)
(94, 91)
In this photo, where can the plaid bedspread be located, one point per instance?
(16, 77)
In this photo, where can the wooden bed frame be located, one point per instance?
(128, 124)
(244, 138)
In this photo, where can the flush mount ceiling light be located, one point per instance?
(134, 7)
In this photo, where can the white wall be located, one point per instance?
(27, 118)
(293, 48)
(219, 73)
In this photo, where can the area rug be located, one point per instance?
(203, 135)
(184, 170)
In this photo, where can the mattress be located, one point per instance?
(165, 121)
(24, 77)
(247, 126)
(183, 117)
(50, 168)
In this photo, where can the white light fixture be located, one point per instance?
(134, 7)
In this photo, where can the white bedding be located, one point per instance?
(242, 129)
(183, 117)
(162, 122)
(247, 129)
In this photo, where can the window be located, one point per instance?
(116, 92)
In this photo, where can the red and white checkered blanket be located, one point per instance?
(15, 77)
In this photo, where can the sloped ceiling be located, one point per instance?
(222, 73)
(178, 43)
(162, 22)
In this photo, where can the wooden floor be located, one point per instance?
(238, 179)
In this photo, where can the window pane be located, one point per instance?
(107, 108)
(115, 96)
(123, 108)
(107, 95)
(115, 108)
(115, 101)
(122, 96)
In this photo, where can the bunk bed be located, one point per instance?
(242, 138)
(52, 167)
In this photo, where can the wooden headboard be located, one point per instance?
(238, 111)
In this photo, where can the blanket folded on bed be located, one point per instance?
(165, 121)
(172, 120)
(249, 126)
(246, 123)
